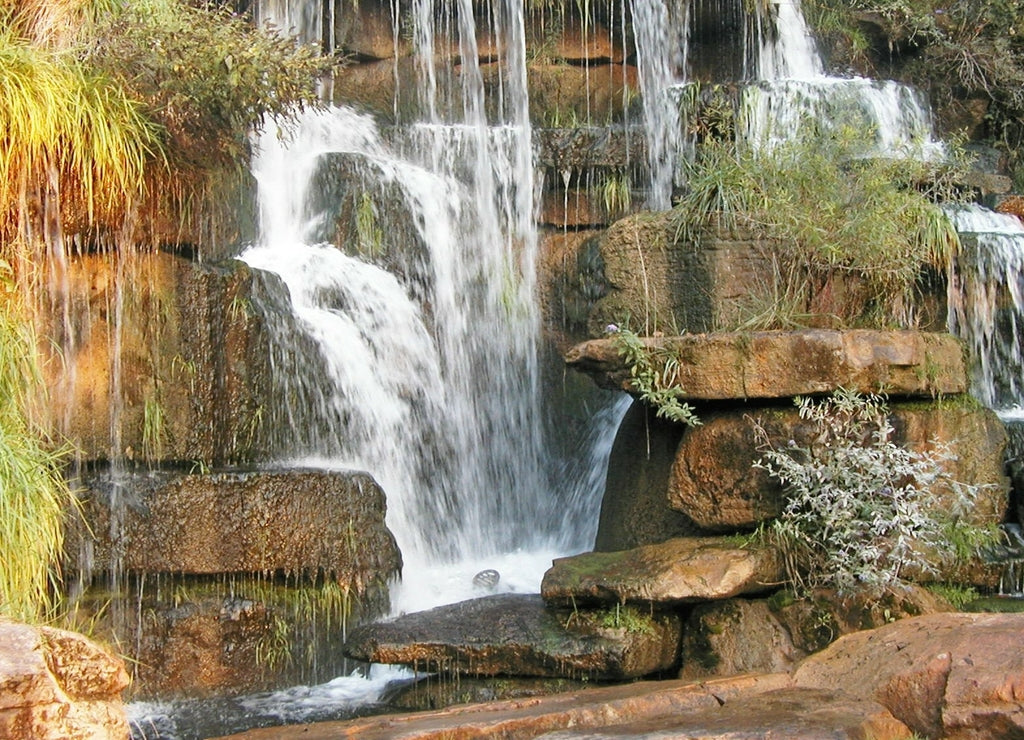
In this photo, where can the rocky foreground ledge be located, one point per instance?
(939, 675)
(783, 364)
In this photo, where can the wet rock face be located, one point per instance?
(293, 521)
(193, 359)
(57, 685)
(516, 634)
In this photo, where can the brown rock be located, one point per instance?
(727, 638)
(57, 685)
(294, 521)
(686, 569)
(783, 364)
(948, 675)
(714, 483)
(516, 634)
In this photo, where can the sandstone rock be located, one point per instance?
(57, 685)
(516, 634)
(294, 521)
(727, 638)
(794, 714)
(564, 95)
(682, 570)
(437, 691)
(713, 482)
(943, 675)
(783, 364)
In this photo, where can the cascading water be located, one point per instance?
(661, 32)
(425, 375)
(987, 306)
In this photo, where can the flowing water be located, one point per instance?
(987, 306)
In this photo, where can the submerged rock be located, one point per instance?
(516, 634)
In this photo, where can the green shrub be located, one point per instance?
(861, 510)
(653, 373)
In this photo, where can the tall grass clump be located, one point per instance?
(863, 513)
(34, 497)
(847, 234)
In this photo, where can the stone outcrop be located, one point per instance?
(714, 483)
(943, 675)
(940, 675)
(516, 634)
(682, 570)
(784, 364)
(58, 685)
(293, 521)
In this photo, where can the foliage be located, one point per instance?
(205, 75)
(653, 371)
(827, 213)
(958, 596)
(72, 139)
(860, 509)
(33, 495)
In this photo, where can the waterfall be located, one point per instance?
(662, 33)
(987, 306)
(414, 355)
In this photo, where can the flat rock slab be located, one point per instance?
(511, 720)
(783, 364)
(517, 634)
(793, 714)
(680, 570)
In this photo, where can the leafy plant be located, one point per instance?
(861, 510)
(828, 215)
(653, 370)
(34, 497)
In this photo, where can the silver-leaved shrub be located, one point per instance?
(860, 509)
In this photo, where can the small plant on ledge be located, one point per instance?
(862, 511)
(653, 372)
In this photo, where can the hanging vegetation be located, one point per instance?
(828, 213)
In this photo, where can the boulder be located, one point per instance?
(58, 685)
(712, 480)
(742, 635)
(783, 364)
(943, 675)
(293, 521)
(516, 634)
(681, 570)
(734, 636)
